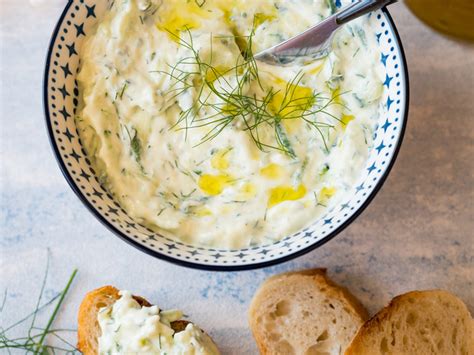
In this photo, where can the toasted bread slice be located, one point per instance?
(304, 313)
(418, 322)
(88, 331)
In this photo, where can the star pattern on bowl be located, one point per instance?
(61, 95)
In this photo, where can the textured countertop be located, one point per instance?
(416, 234)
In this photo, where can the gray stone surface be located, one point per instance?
(416, 234)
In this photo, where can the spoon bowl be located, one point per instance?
(315, 42)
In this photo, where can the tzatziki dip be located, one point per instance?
(128, 328)
(200, 142)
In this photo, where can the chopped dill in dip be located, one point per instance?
(128, 328)
(202, 143)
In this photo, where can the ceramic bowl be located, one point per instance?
(61, 96)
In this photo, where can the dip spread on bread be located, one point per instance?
(202, 143)
(128, 328)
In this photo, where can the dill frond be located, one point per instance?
(222, 99)
(34, 342)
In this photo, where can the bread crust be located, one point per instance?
(88, 329)
(322, 272)
(375, 325)
(319, 277)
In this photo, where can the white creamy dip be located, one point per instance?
(128, 328)
(148, 121)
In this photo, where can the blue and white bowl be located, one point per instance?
(61, 95)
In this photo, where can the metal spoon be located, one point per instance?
(315, 42)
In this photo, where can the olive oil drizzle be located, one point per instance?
(235, 106)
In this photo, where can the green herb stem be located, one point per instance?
(220, 103)
(56, 309)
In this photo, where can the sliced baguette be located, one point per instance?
(88, 330)
(418, 322)
(304, 313)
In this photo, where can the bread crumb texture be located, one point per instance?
(304, 313)
(418, 322)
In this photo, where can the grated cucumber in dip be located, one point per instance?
(203, 144)
(128, 328)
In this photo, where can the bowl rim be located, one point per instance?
(209, 267)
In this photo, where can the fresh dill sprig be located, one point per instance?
(34, 342)
(200, 3)
(332, 6)
(222, 98)
(135, 144)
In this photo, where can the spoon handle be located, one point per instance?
(360, 8)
